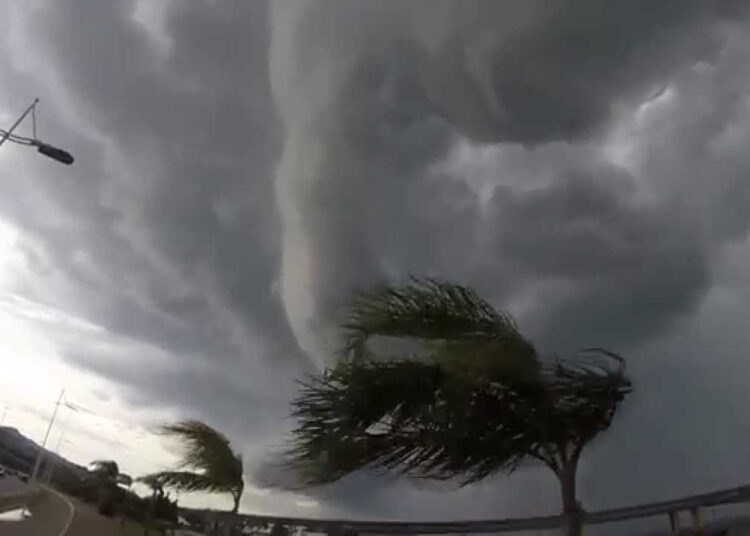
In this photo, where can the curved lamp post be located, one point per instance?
(46, 149)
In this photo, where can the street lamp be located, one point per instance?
(46, 149)
(52, 463)
(40, 453)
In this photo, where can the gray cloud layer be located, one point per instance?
(241, 168)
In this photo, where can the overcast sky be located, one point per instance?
(241, 168)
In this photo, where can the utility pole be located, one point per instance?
(53, 461)
(40, 454)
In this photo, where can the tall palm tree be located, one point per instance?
(214, 467)
(472, 398)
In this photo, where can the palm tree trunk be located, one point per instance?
(150, 513)
(101, 496)
(571, 508)
(236, 495)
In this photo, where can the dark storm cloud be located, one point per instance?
(194, 143)
(364, 94)
(622, 272)
(165, 231)
(548, 70)
(245, 170)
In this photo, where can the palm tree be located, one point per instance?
(215, 467)
(153, 483)
(472, 399)
(107, 476)
(157, 493)
(105, 469)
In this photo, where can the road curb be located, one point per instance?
(70, 507)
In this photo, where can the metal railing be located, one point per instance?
(695, 506)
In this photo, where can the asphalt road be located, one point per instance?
(51, 514)
(10, 484)
(54, 514)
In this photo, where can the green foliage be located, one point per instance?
(153, 481)
(106, 475)
(164, 508)
(188, 481)
(480, 402)
(431, 311)
(208, 462)
(105, 469)
(104, 494)
(107, 505)
(158, 506)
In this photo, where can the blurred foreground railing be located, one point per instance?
(687, 512)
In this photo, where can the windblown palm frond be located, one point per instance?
(215, 467)
(124, 479)
(151, 480)
(586, 393)
(205, 449)
(430, 310)
(184, 481)
(345, 414)
(418, 419)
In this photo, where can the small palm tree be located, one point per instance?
(153, 483)
(107, 476)
(215, 467)
(472, 399)
(157, 493)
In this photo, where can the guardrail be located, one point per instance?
(672, 508)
